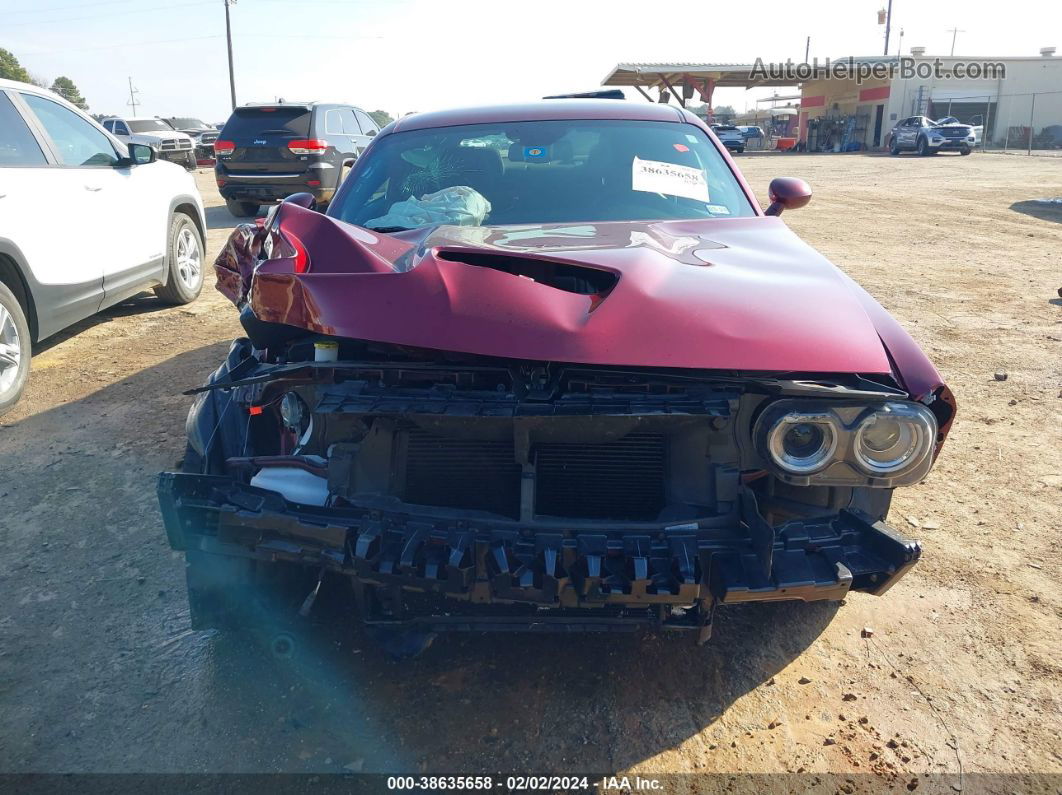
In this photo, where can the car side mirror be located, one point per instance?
(787, 193)
(139, 155)
(304, 200)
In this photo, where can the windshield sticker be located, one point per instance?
(656, 176)
(681, 147)
(718, 209)
(535, 154)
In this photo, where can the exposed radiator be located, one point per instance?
(612, 480)
(623, 480)
(462, 473)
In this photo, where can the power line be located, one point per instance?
(77, 6)
(99, 16)
(130, 44)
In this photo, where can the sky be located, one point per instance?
(415, 55)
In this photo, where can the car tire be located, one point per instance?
(185, 258)
(965, 151)
(15, 349)
(923, 147)
(190, 163)
(242, 209)
(741, 151)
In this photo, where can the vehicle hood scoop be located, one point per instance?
(569, 278)
(729, 294)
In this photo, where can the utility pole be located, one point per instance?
(228, 40)
(807, 49)
(954, 32)
(888, 26)
(132, 97)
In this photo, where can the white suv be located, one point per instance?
(168, 143)
(85, 222)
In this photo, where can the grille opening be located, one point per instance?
(623, 479)
(569, 278)
(475, 474)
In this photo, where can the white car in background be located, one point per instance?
(168, 143)
(85, 222)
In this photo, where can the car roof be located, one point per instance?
(550, 109)
(15, 85)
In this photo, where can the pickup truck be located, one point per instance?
(177, 147)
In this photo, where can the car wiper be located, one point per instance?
(388, 229)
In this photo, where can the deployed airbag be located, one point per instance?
(457, 206)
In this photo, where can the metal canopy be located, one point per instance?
(686, 80)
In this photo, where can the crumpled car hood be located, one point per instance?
(728, 294)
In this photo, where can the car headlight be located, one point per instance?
(893, 438)
(802, 443)
(883, 444)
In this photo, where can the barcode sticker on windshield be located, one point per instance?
(656, 176)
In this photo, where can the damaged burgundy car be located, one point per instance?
(550, 368)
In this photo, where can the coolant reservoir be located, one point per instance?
(293, 484)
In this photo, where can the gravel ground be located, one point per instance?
(100, 672)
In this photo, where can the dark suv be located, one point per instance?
(269, 151)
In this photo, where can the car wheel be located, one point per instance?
(923, 147)
(14, 349)
(242, 209)
(189, 162)
(894, 149)
(965, 151)
(741, 151)
(185, 254)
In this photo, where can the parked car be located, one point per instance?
(927, 137)
(121, 223)
(976, 127)
(751, 132)
(266, 152)
(576, 380)
(730, 136)
(201, 133)
(156, 133)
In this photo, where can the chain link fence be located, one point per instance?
(1028, 124)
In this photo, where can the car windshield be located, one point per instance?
(947, 120)
(539, 172)
(149, 125)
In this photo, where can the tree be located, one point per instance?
(64, 87)
(381, 117)
(11, 69)
(724, 113)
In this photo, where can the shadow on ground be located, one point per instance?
(1045, 211)
(108, 676)
(141, 303)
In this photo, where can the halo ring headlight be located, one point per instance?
(893, 438)
(802, 444)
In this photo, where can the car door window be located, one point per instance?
(334, 123)
(77, 143)
(350, 124)
(120, 128)
(367, 125)
(18, 147)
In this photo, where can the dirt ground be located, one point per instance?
(99, 670)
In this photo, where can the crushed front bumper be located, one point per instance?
(511, 576)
